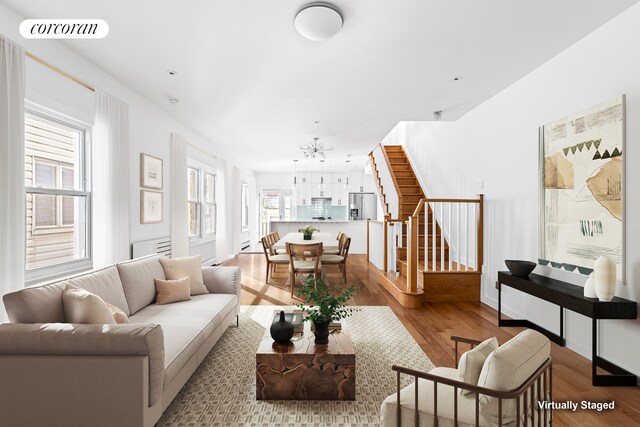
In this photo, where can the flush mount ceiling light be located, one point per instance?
(316, 150)
(318, 21)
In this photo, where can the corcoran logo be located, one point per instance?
(64, 29)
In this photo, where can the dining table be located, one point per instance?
(328, 241)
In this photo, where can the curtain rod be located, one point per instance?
(59, 71)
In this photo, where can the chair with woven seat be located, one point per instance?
(338, 250)
(341, 259)
(273, 258)
(303, 259)
(492, 386)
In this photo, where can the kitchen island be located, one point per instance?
(357, 230)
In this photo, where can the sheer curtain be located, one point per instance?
(12, 200)
(179, 218)
(110, 189)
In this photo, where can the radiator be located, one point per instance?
(160, 246)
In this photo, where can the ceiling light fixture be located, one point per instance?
(172, 73)
(174, 101)
(318, 21)
(321, 185)
(295, 172)
(315, 150)
(437, 115)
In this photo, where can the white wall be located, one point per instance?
(149, 126)
(497, 143)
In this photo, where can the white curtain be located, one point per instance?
(179, 218)
(110, 190)
(12, 200)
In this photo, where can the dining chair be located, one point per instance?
(337, 250)
(339, 260)
(273, 259)
(272, 239)
(304, 259)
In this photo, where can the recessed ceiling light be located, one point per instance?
(295, 160)
(437, 115)
(457, 78)
(172, 72)
(318, 21)
(316, 122)
(174, 101)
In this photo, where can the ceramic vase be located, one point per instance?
(604, 278)
(281, 331)
(321, 332)
(589, 290)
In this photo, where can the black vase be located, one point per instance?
(306, 236)
(281, 331)
(321, 332)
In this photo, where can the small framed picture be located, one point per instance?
(150, 171)
(150, 207)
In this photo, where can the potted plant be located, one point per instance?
(321, 307)
(307, 232)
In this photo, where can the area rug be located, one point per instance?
(222, 390)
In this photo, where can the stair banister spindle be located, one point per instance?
(458, 238)
(433, 236)
(441, 237)
(466, 235)
(473, 224)
(449, 234)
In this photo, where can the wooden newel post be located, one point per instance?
(480, 243)
(385, 243)
(412, 253)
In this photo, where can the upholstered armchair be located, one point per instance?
(512, 379)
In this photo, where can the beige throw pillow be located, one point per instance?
(168, 291)
(118, 315)
(471, 362)
(81, 306)
(177, 268)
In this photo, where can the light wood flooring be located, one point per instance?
(432, 326)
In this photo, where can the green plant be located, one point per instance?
(308, 230)
(320, 305)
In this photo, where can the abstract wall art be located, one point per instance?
(582, 188)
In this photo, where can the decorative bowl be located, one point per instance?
(520, 268)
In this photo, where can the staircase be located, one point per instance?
(440, 276)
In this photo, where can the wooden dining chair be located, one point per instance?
(273, 259)
(304, 259)
(272, 238)
(337, 250)
(339, 260)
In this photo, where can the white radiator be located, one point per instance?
(160, 246)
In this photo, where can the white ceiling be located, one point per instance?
(248, 80)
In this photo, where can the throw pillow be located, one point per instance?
(177, 268)
(118, 315)
(81, 306)
(471, 362)
(168, 291)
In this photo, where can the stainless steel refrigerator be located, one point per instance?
(362, 206)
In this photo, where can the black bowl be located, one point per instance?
(520, 268)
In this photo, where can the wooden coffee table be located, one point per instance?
(303, 370)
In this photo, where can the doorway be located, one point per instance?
(275, 204)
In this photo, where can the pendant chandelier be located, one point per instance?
(315, 150)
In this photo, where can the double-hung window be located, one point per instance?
(58, 200)
(201, 199)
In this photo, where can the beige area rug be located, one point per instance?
(222, 391)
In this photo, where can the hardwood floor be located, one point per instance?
(432, 326)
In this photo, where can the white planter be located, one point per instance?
(589, 288)
(604, 278)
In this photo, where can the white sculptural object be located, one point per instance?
(604, 278)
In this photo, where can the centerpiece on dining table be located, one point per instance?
(307, 231)
(322, 307)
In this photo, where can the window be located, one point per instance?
(58, 232)
(244, 196)
(201, 198)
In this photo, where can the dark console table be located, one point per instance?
(571, 297)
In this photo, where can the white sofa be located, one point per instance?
(59, 374)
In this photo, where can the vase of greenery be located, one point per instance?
(322, 307)
(307, 232)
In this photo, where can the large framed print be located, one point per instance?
(150, 172)
(150, 207)
(582, 188)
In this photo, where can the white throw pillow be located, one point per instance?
(81, 306)
(471, 362)
(177, 268)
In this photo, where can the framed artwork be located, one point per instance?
(582, 188)
(150, 171)
(150, 207)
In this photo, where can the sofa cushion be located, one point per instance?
(104, 283)
(177, 268)
(472, 361)
(508, 367)
(168, 291)
(466, 404)
(185, 326)
(36, 304)
(137, 278)
(81, 306)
